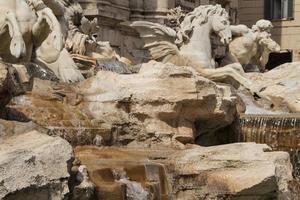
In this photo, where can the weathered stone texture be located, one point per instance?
(281, 86)
(161, 103)
(245, 171)
(33, 165)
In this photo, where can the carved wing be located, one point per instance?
(159, 40)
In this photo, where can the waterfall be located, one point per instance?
(280, 132)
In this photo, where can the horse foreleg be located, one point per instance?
(8, 22)
(236, 67)
(226, 74)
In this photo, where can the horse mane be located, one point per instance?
(195, 18)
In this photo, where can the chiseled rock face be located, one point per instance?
(237, 171)
(281, 85)
(14, 80)
(33, 165)
(160, 103)
(245, 170)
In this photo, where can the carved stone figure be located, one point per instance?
(77, 28)
(39, 31)
(267, 46)
(81, 33)
(251, 46)
(175, 17)
(191, 46)
(30, 28)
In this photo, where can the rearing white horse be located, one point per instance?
(191, 45)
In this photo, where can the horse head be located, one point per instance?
(221, 25)
(214, 15)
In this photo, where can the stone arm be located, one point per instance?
(264, 59)
(269, 46)
(239, 30)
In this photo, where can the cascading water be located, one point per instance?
(281, 132)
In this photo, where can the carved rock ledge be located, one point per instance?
(161, 103)
(229, 171)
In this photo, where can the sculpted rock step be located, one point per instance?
(82, 135)
(161, 104)
(33, 166)
(229, 171)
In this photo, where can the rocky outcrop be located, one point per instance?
(161, 103)
(237, 171)
(281, 85)
(154, 113)
(83, 188)
(33, 165)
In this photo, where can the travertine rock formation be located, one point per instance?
(33, 165)
(162, 102)
(281, 85)
(14, 80)
(149, 119)
(245, 171)
(84, 189)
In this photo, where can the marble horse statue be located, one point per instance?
(29, 31)
(190, 45)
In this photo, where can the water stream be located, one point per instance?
(281, 132)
